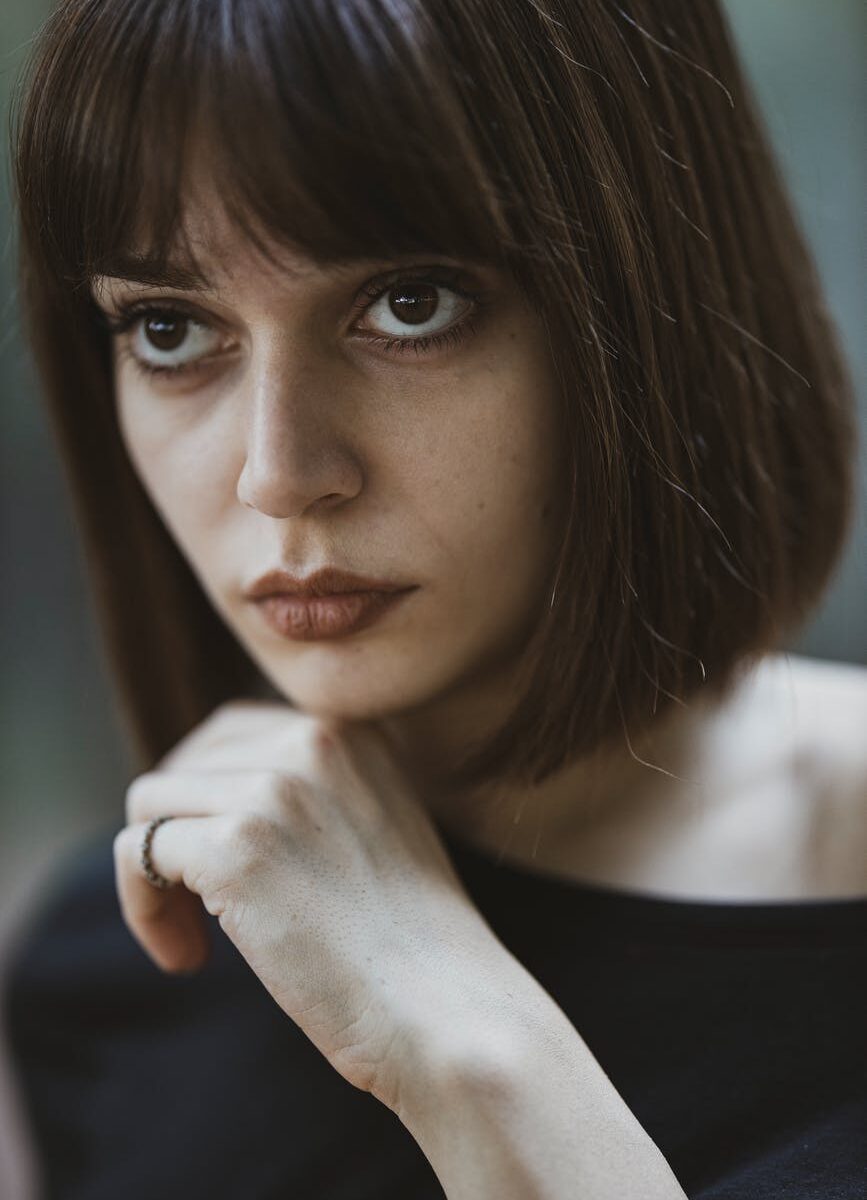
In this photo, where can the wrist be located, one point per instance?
(482, 1037)
(515, 1105)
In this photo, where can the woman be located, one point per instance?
(457, 431)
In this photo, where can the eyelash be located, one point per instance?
(129, 314)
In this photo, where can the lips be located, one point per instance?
(324, 582)
(307, 619)
(330, 603)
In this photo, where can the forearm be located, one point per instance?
(529, 1114)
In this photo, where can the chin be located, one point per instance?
(350, 695)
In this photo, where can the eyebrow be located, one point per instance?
(144, 269)
(153, 272)
(137, 268)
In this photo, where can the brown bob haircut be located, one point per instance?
(610, 157)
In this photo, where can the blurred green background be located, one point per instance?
(65, 769)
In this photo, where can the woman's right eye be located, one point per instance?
(163, 340)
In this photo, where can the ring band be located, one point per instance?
(153, 877)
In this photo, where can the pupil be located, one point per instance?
(165, 332)
(413, 303)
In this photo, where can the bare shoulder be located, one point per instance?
(762, 798)
(820, 707)
(802, 723)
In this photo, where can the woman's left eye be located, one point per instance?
(420, 313)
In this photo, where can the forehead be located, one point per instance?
(210, 262)
(207, 250)
(213, 246)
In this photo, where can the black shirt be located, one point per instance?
(736, 1033)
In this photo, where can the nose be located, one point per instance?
(297, 457)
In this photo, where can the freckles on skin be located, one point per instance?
(484, 437)
(459, 457)
(174, 451)
(490, 482)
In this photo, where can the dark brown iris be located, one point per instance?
(413, 303)
(165, 332)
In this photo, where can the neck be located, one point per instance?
(521, 822)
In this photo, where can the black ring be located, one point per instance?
(158, 881)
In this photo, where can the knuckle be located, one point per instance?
(238, 845)
(275, 794)
(120, 844)
(208, 730)
(228, 712)
(221, 716)
(267, 782)
(294, 800)
(218, 721)
(137, 795)
(251, 835)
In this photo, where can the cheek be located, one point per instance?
(488, 488)
(175, 462)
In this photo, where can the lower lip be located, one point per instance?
(311, 619)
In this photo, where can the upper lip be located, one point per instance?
(324, 582)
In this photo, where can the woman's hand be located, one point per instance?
(304, 838)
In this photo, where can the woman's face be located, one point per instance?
(297, 440)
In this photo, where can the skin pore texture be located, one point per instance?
(298, 442)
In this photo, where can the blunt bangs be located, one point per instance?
(330, 129)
